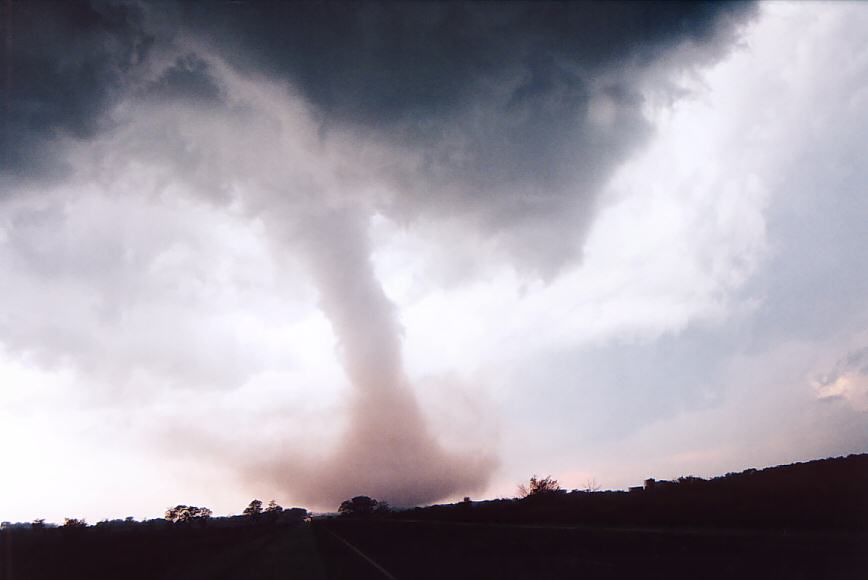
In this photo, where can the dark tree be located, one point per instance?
(186, 513)
(176, 514)
(253, 510)
(361, 505)
(273, 507)
(537, 486)
(74, 523)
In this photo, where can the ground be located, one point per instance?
(339, 548)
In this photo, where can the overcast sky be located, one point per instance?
(418, 252)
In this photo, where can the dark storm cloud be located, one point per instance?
(497, 101)
(378, 63)
(64, 64)
(187, 78)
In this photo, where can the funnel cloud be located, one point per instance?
(387, 450)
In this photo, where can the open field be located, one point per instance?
(400, 549)
(432, 550)
(175, 552)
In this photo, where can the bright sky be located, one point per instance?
(161, 346)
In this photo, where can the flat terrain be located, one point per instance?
(408, 550)
(170, 553)
(421, 550)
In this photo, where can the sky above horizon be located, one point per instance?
(424, 251)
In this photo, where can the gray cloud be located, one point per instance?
(97, 284)
(387, 63)
(847, 380)
(854, 362)
(497, 102)
(65, 63)
(188, 78)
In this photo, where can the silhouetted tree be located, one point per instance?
(538, 486)
(273, 507)
(361, 505)
(186, 513)
(175, 514)
(38, 524)
(74, 523)
(273, 511)
(254, 509)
